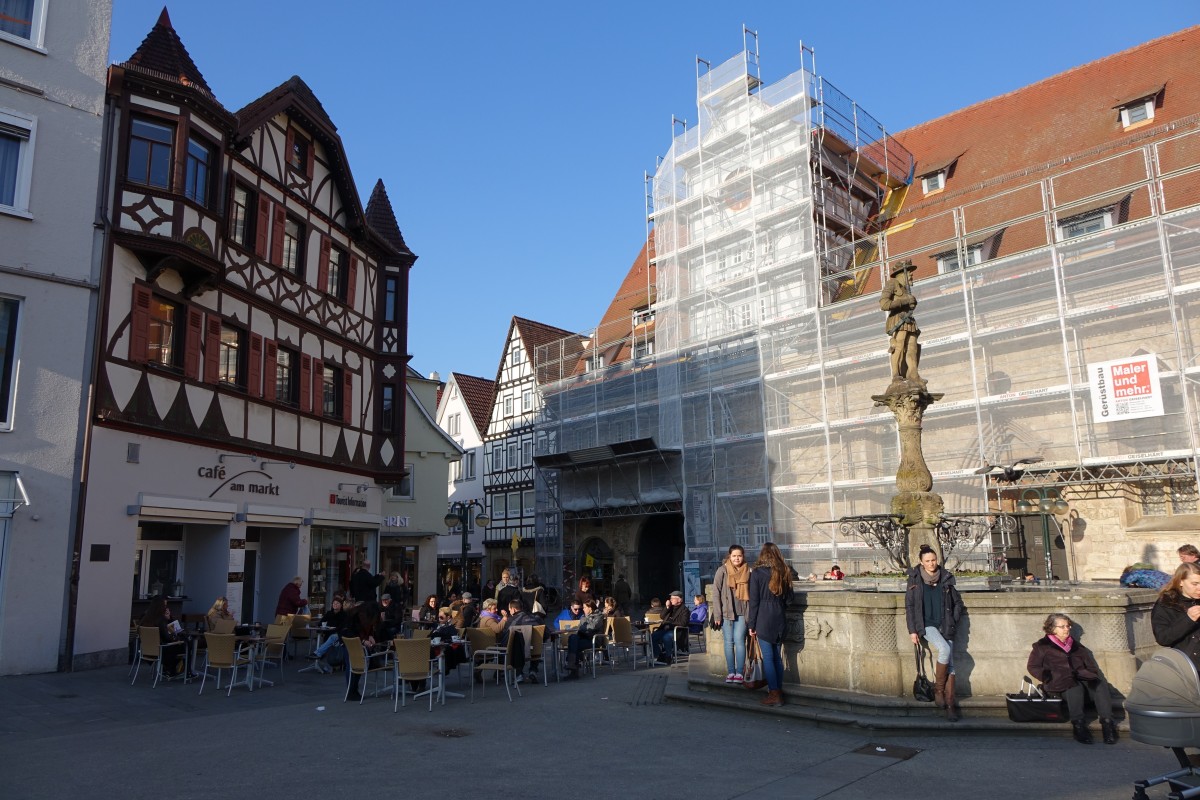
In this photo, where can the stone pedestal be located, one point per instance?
(915, 502)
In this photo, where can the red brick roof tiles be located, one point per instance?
(478, 394)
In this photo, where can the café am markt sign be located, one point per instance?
(1127, 388)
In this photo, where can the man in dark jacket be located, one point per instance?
(364, 585)
(623, 595)
(675, 615)
(290, 601)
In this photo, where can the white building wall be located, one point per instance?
(460, 487)
(46, 266)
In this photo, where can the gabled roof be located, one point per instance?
(533, 335)
(615, 331)
(297, 100)
(162, 51)
(478, 395)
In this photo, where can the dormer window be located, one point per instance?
(1083, 224)
(950, 261)
(1134, 113)
(934, 182)
(1139, 108)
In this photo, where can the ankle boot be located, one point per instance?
(1079, 730)
(1109, 729)
(951, 701)
(773, 698)
(941, 672)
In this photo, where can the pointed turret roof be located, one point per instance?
(382, 219)
(163, 52)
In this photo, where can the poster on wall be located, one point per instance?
(691, 580)
(1127, 388)
(698, 516)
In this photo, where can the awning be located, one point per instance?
(181, 508)
(19, 497)
(333, 519)
(272, 515)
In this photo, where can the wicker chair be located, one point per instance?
(499, 661)
(412, 662)
(223, 652)
(151, 650)
(360, 663)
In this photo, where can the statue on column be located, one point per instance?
(898, 301)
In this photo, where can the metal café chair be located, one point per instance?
(412, 662)
(222, 652)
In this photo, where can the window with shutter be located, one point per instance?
(262, 227)
(351, 279)
(212, 349)
(139, 330)
(191, 348)
(306, 366)
(278, 219)
(347, 396)
(270, 369)
(317, 402)
(254, 366)
(323, 264)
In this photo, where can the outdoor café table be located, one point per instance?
(321, 631)
(438, 650)
(256, 643)
(192, 639)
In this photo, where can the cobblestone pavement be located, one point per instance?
(92, 735)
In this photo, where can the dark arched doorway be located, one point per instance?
(596, 561)
(660, 550)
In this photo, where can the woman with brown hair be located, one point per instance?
(1175, 617)
(731, 597)
(770, 591)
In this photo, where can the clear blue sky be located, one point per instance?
(513, 137)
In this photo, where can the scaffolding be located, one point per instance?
(772, 220)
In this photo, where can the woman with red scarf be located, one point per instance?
(1066, 667)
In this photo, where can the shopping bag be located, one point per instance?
(1030, 704)
(753, 676)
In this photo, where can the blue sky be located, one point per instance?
(513, 137)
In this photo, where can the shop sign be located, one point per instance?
(247, 481)
(1125, 389)
(347, 500)
(396, 522)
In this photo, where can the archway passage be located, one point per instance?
(660, 550)
(596, 561)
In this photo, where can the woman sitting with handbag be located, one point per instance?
(1066, 667)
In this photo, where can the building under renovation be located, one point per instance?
(727, 394)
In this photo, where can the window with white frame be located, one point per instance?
(933, 182)
(508, 406)
(468, 462)
(527, 400)
(527, 453)
(1139, 111)
(516, 354)
(456, 471)
(497, 457)
(17, 134)
(10, 310)
(528, 502)
(404, 490)
(23, 21)
(949, 261)
(454, 424)
(1083, 224)
(512, 455)
(514, 504)
(499, 506)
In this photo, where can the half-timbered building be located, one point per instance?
(250, 378)
(508, 448)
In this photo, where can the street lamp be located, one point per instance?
(459, 514)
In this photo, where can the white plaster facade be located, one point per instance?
(465, 477)
(52, 93)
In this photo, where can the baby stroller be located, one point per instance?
(1164, 709)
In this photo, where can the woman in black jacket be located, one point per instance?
(932, 608)
(1066, 667)
(1175, 617)
(766, 616)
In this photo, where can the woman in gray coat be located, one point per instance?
(731, 598)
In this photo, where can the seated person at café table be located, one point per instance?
(334, 618)
(517, 616)
(674, 615)
(290, 601)
(466, 615)
(610, 607)
(445, 633)
(389, 618)
(361, 622)
(568, 614)
(592, 622)
(429, 610)
(656, 607)
(490, 619)
(159, 616)
(219, 610)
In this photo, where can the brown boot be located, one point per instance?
(941, 671)
(951, 701)
(773, 698)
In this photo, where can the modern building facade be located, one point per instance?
(251, 351)
(1054, 236)
(463, 411)
(52, 62)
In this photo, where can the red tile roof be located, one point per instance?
(479, 394)
(614, 334)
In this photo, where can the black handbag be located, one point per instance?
(922, 688)
(1031, 704)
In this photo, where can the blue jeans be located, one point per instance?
(943, 649)
(663, 641)
(327, 645)
(734, 632)
(772, 664)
